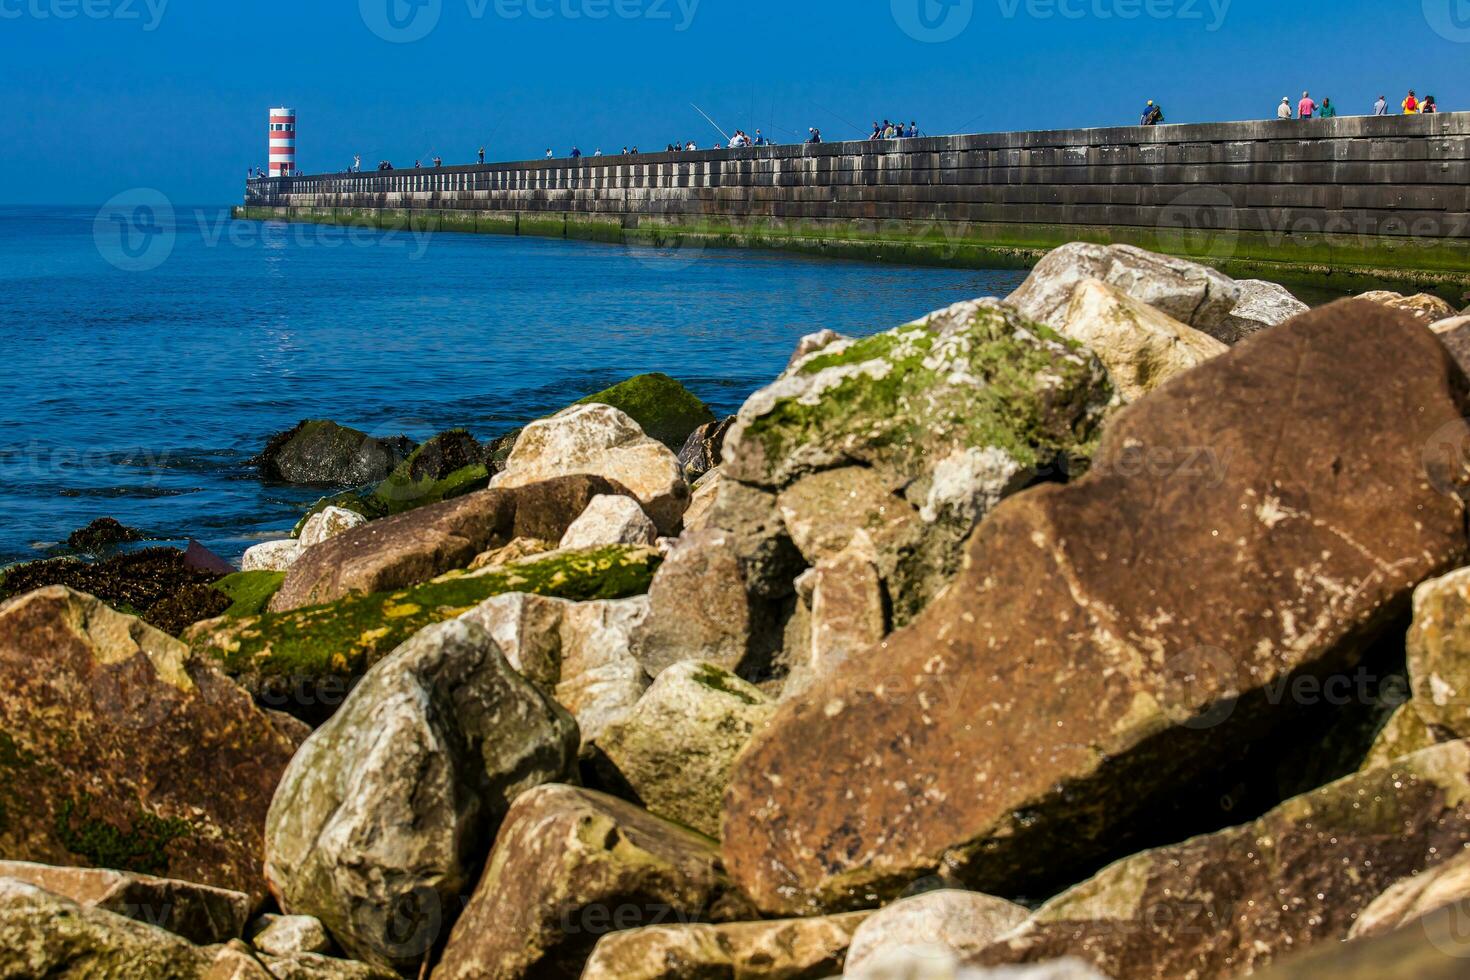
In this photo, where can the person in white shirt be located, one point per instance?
(598, 153)
(1283, 111)
(1380, 108)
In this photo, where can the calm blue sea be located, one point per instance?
(146, 359)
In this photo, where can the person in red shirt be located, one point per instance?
(1305, 107)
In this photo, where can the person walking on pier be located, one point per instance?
(1428, 106)
(1306, 106)
(357, 163)
(1283, 111)
(1380, 108)
(816, 136)
(576, 153)
(1329, 111)
(482, 155)
(1411, 104)
(1152, 114)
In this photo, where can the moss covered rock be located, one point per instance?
(447, 466)
(663, 408)
(275, 655)
(249, 592)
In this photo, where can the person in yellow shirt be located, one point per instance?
(1411, 104)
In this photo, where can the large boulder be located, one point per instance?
(1193, 294)
(571, 865)
(302, 661)
(198, 913)
(788, 949)
(599, 440)
(676, 748)
(1230, 903)
(662, 407)
(1439, 654)
(451, 464)
(1144, 617)
(958, 922)
(388, 810)
(121, 749)
(1141, 347)
(414, 547)
(323, 452)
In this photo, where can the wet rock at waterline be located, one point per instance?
(391, 806)
(113, 739)
(1144, 616)
(102, 535)
(323, 452)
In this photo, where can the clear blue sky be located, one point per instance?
(172, 94)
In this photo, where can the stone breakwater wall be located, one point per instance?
(1353, 198)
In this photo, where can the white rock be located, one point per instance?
(1450, 325)
(705, 492)
(610, 520)
(287, 935)
(273, 556)
(814, 342)
(935, 963)
(1191, 293)
(579, 652)
(1141, 346)
(969, 483)
(329, 523)
(1414, 898)
(958, 923)
(1264, 304)
(601, 441)
(601, 681)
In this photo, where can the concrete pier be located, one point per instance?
(1348, 201)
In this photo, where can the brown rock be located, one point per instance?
(1413, 898)
(415, 547)
(120, 748)
(791, 949)
(198, 913)
(1428, 309)
(847, 607)
(1434, 948)
(1230, 903)
(1144, 614)
(571, 865)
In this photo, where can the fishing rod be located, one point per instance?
(711, 122)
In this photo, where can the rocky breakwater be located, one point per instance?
(993, 645)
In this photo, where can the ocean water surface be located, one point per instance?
(140, 375)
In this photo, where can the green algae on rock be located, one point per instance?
(346, 637)
(447, 466)
(249, 592)
(662, 407)
(974, 375)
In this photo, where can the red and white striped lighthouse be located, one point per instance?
(283, 142)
